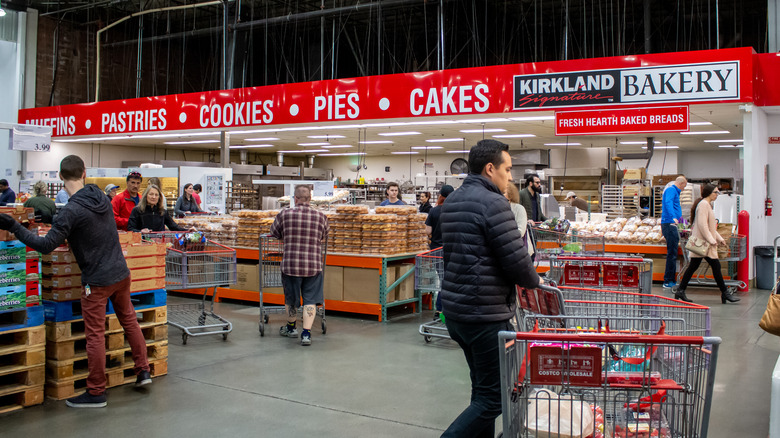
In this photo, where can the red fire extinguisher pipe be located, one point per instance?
(743, 266)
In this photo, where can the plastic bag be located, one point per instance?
(559, 416)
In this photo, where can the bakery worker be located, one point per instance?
(577, 202)
(392, 195)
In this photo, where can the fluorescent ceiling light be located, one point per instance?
(479, 131)
(297, 128)
(303, 151)
(704, 132)
(444, 140)
(513, 136)
(337, 146)
(493, 120)
(313, 144)
(341, 154)
(251, 146)
(388, 134)
(427, 147)
(262, 139)
(376, 142)
(563, 144)
(457, 152)
(433, 122)
(699, 123)
(404, 153)
(730, 146)
(637, 142)
(382, 125)
(736, 140)
(326, 136)
(531, 118)
(663, 147)
(192, 142)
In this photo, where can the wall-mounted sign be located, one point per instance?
(622, 121)
(679, 83)
(707, 76)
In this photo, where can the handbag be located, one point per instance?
(770, 321)
(698, 246)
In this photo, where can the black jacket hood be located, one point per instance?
(92, 198)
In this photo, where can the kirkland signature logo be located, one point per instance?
(691, 82)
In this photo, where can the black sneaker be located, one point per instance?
(87, 400)
(306, 339)
(144, 378)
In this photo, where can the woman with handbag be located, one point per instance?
(703, 244)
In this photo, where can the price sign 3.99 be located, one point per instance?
(30, 138)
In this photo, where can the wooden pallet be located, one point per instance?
(75, 329)
(23, 339)
(57, 370)
(64, 389)
(20, 396)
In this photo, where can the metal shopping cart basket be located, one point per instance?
(575, 307)
(632, 274)
(428, 276)
(734, 251)
(195, 265)
(270, 266)
(550, 243)
(599, 385)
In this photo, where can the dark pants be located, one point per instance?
(93, 306)
(694, 265)
(672, 236)
(480, 345)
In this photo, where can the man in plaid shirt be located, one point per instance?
(302, 231)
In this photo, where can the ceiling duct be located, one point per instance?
(648, 155)
(243, 155)
(311, 161)
(280, 159)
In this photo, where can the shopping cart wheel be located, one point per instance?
(262, 329)
(224, 336)
(731, 289)
(324, 328)
(427, 338)
(265, 318)
(184, 338)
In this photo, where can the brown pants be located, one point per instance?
(93, 306)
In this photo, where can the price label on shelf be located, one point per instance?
(30, 138)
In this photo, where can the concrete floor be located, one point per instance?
(361, 379)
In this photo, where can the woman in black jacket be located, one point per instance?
(425, 199)
(150, 214)
(186, 202)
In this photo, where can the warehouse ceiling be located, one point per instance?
(437, 135)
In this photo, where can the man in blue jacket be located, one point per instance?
(484, 258)
(7, 196)
(671, 215)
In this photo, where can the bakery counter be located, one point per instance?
(367, 284)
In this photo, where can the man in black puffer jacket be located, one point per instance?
(87, 222)
(484, 258)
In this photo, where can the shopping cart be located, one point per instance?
(270, 267)
(195, 265)
(576, 307)
(632, 274)
(428, 276)
(606, 385)
(734, 251)
(550, 243)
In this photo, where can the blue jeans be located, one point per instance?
(480, 345)
(672, 236)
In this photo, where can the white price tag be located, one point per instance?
(31, 138)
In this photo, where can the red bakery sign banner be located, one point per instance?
(658, 79)
(622, 121)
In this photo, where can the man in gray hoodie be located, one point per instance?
(87, 222)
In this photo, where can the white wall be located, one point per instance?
(773, 158)
(10, 161)
(664, 162)
(755, 154)
(579, 158)
(399, 166)
(716, 163)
